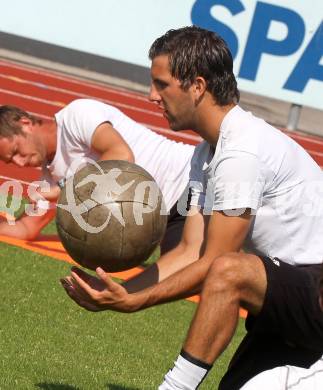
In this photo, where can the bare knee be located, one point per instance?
(225, 272)
(242, 276)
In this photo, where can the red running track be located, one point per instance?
(44, 92)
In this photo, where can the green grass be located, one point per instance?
(50, 228)
(48, 342)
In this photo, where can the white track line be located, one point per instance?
(8, 178)
(39, 100)
(77, 95)
(314, 152)
(73, 80)
(301, 137)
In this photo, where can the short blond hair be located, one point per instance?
(9, 120)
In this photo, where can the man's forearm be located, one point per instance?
(182, 284)
(17, 230)
(165, 266)
(27, 227)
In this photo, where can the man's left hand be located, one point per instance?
(97, 293)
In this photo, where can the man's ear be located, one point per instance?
(26, 124)
(199, 87)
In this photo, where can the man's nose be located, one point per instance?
(19, 160)
(154, 95)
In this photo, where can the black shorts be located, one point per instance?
(174, 230)
(289, 328)
(291, 308)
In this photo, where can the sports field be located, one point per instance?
(47, 342)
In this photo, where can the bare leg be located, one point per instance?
(233, 280)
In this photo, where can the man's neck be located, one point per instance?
(210, 121)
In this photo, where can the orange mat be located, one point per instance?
(50, 245)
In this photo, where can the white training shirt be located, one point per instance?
(257, 166)
(167, 161)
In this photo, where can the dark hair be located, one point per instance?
(192, 52)
(9, 120)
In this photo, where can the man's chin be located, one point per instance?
(174, 126)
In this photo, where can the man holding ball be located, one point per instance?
(251, 187)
